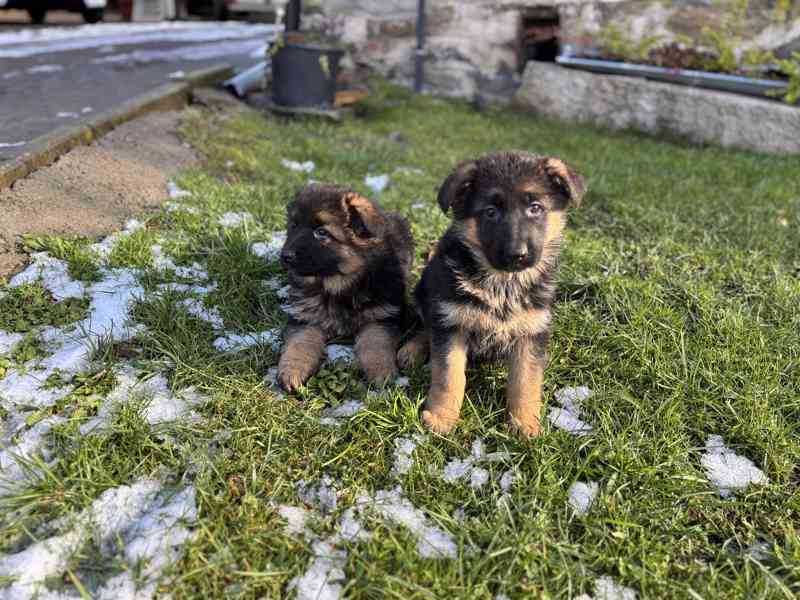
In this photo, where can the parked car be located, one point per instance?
(92, 10)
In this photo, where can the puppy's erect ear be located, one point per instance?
(364, 218)
(457, 185)
(568, 181)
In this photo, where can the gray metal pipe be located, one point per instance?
(419, 56)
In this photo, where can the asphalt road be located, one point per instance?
(54, 75)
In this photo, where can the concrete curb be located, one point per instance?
(45, 149)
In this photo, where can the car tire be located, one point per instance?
(37, 15)
(93, 15)
(219, 10)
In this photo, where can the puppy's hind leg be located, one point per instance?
(376, 345)
(414, 351)
(305, 345)
(448, 380)
(524, 387)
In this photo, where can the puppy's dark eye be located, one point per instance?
(535, 209)
(491, 213)
(321, 234)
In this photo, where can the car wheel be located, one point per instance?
(220, 10)
(93, 15)
(37, 15)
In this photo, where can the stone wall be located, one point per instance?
(472, 46)
(697, 115)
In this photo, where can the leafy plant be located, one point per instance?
(617, 43)
(791, 68)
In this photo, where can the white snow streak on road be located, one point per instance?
(32, 42)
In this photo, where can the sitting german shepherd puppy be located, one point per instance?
(348, 262)
(487, 290)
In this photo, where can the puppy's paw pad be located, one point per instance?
(529, 429)
(438, 423)
(382, 374)
(291, 379)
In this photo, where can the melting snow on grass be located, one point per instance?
(336, 352)
(377, 183)
(466, 468)
(71, 347)
(270, 250)
(728, 471)
(104, 248)
(325, 576)
(302, 167)
(196, 308)
(8, 341)
(432, 541)
(174, 191)
(582, 495)
(235, 342)
(159, 403)
(234, 219)
(403, 453)
(15, 459)
(567, 416)
(137, 525)
(605, 588)
(334, 414)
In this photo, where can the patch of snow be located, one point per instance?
(329, 422)
(432, 541)
(186, 288)
(163, 262)
(197, 309)
(344, 410)
(270, 250)
(377, 183)
(296, 518)
(582, 495)
(302, 167)
(567, 417)
(177, 207)
(177, 75)
(53, 275)
(12, 144)
(44, 68)
(8, 341)
(457, 469)
(336, 352)
(418, 206)
(234, 219)
(759, 551)
(479, 477)
(234, 342)
(403, 453)
(191, 52)
(402, 382)
(136, 525)
(176, 192)
(605, 588)
(67, 115)
(86, 110)
(321, 496)
(11, 74)
(160, 403)
(13, 458)
(324, 578)
(229, 164)
(34, 41)
(728, 471)
(71, 347)
(105, 247)
(507, 480)
(350, 529)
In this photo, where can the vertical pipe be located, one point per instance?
(419, 56)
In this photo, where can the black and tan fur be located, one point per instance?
(348, 262)
(487, 291)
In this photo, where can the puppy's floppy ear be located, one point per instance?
(364, 218)
(457, 185)
(565, 179)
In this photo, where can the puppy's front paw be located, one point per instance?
(438, 422)
(379, 372)
(292, 378)
(528, 427)
(412, 353)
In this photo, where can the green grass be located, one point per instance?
(679, 306)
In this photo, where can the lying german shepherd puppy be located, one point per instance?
(487, 290)
(348, 262)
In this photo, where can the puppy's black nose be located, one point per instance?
(519, 256)
(288, 257)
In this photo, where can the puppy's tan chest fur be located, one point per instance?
(495, 311)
